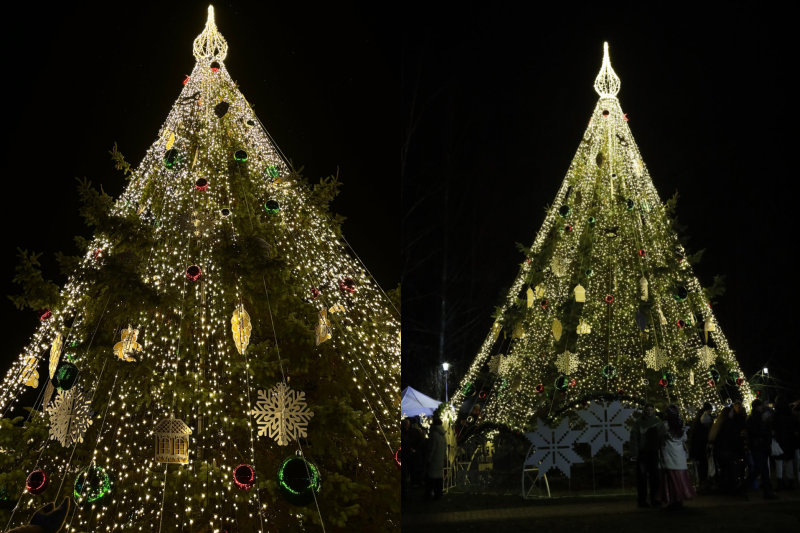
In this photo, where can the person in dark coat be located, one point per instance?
(727, 439)
(698, 442)
(434, 471)
(786, 435)
(759, 438)
(645, 443)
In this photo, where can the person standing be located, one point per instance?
(759, 438)
(727, 440)
(675, 484)
(786, 435)
(437, 449)
(645, 442)
(698, 443)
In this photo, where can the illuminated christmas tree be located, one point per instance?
(218, 360)
(606, 303)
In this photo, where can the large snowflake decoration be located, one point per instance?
(552, 448)
(494, 363)
(605, 425)
(70, 416)
(656, 358)
(282, 412)
(707, 355)
(567, 363)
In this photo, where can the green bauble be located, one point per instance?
(272, 207)
(562, 382)
(564, 210)
(629, 205)
(272, 171)
(680, 294)
(240, 156)
(65, 376)
(91, 484)
(713, 373)
(298, 480)
(173, 159)
(592, 221)
(468, 389)
(609, 372)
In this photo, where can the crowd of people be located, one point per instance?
(731, 453)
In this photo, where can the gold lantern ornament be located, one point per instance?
(241, 328)
(580, 293)
(172, 441)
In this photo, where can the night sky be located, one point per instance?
(323, 82)
(495, 103)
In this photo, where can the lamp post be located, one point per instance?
(445, 367)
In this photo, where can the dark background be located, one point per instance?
(495, 102)
(79, 78)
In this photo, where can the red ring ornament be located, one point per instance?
(193, 273)
(37, 481)
(244, 477)
(347, 285)
(609, 299)
(45, 315)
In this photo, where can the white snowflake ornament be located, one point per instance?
(70, 416)
(552, 448)
(707, 355)
(282, 413)
(656, 358)
(567, 363)
(605, 425)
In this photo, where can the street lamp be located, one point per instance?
(766, 371)
(445, 367)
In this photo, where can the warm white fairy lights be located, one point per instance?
(185, 343)
(630, 323)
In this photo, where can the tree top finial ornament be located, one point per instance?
(210, 45)
(607, 82)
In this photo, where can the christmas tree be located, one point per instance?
(605, 304)
(217, 360)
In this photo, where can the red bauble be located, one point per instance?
(315, 293)
(193, 273)
(711, 382)
(605, 112)
(642, 253)
(567, 229)
(625, 116)
(186, 79)
(540, 388)
(663, 382)
(397, 457)
(482, 395)
(97, 253)
(739, 381)
(45, 315)
(573, 382)
(244, 477)
(201, 184)
(37, 482)
(214, 69)
(681, 324)
(544, 303)
(347, 285)
(609, 299)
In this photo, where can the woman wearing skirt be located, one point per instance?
(675, 484)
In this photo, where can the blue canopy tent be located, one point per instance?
(414, 403)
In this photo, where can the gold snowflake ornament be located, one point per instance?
(567, 363)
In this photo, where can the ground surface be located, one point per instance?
(609, 513)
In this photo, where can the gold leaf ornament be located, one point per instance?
(30, 375)
(557, 329)
(55, 354)
(241, 328)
